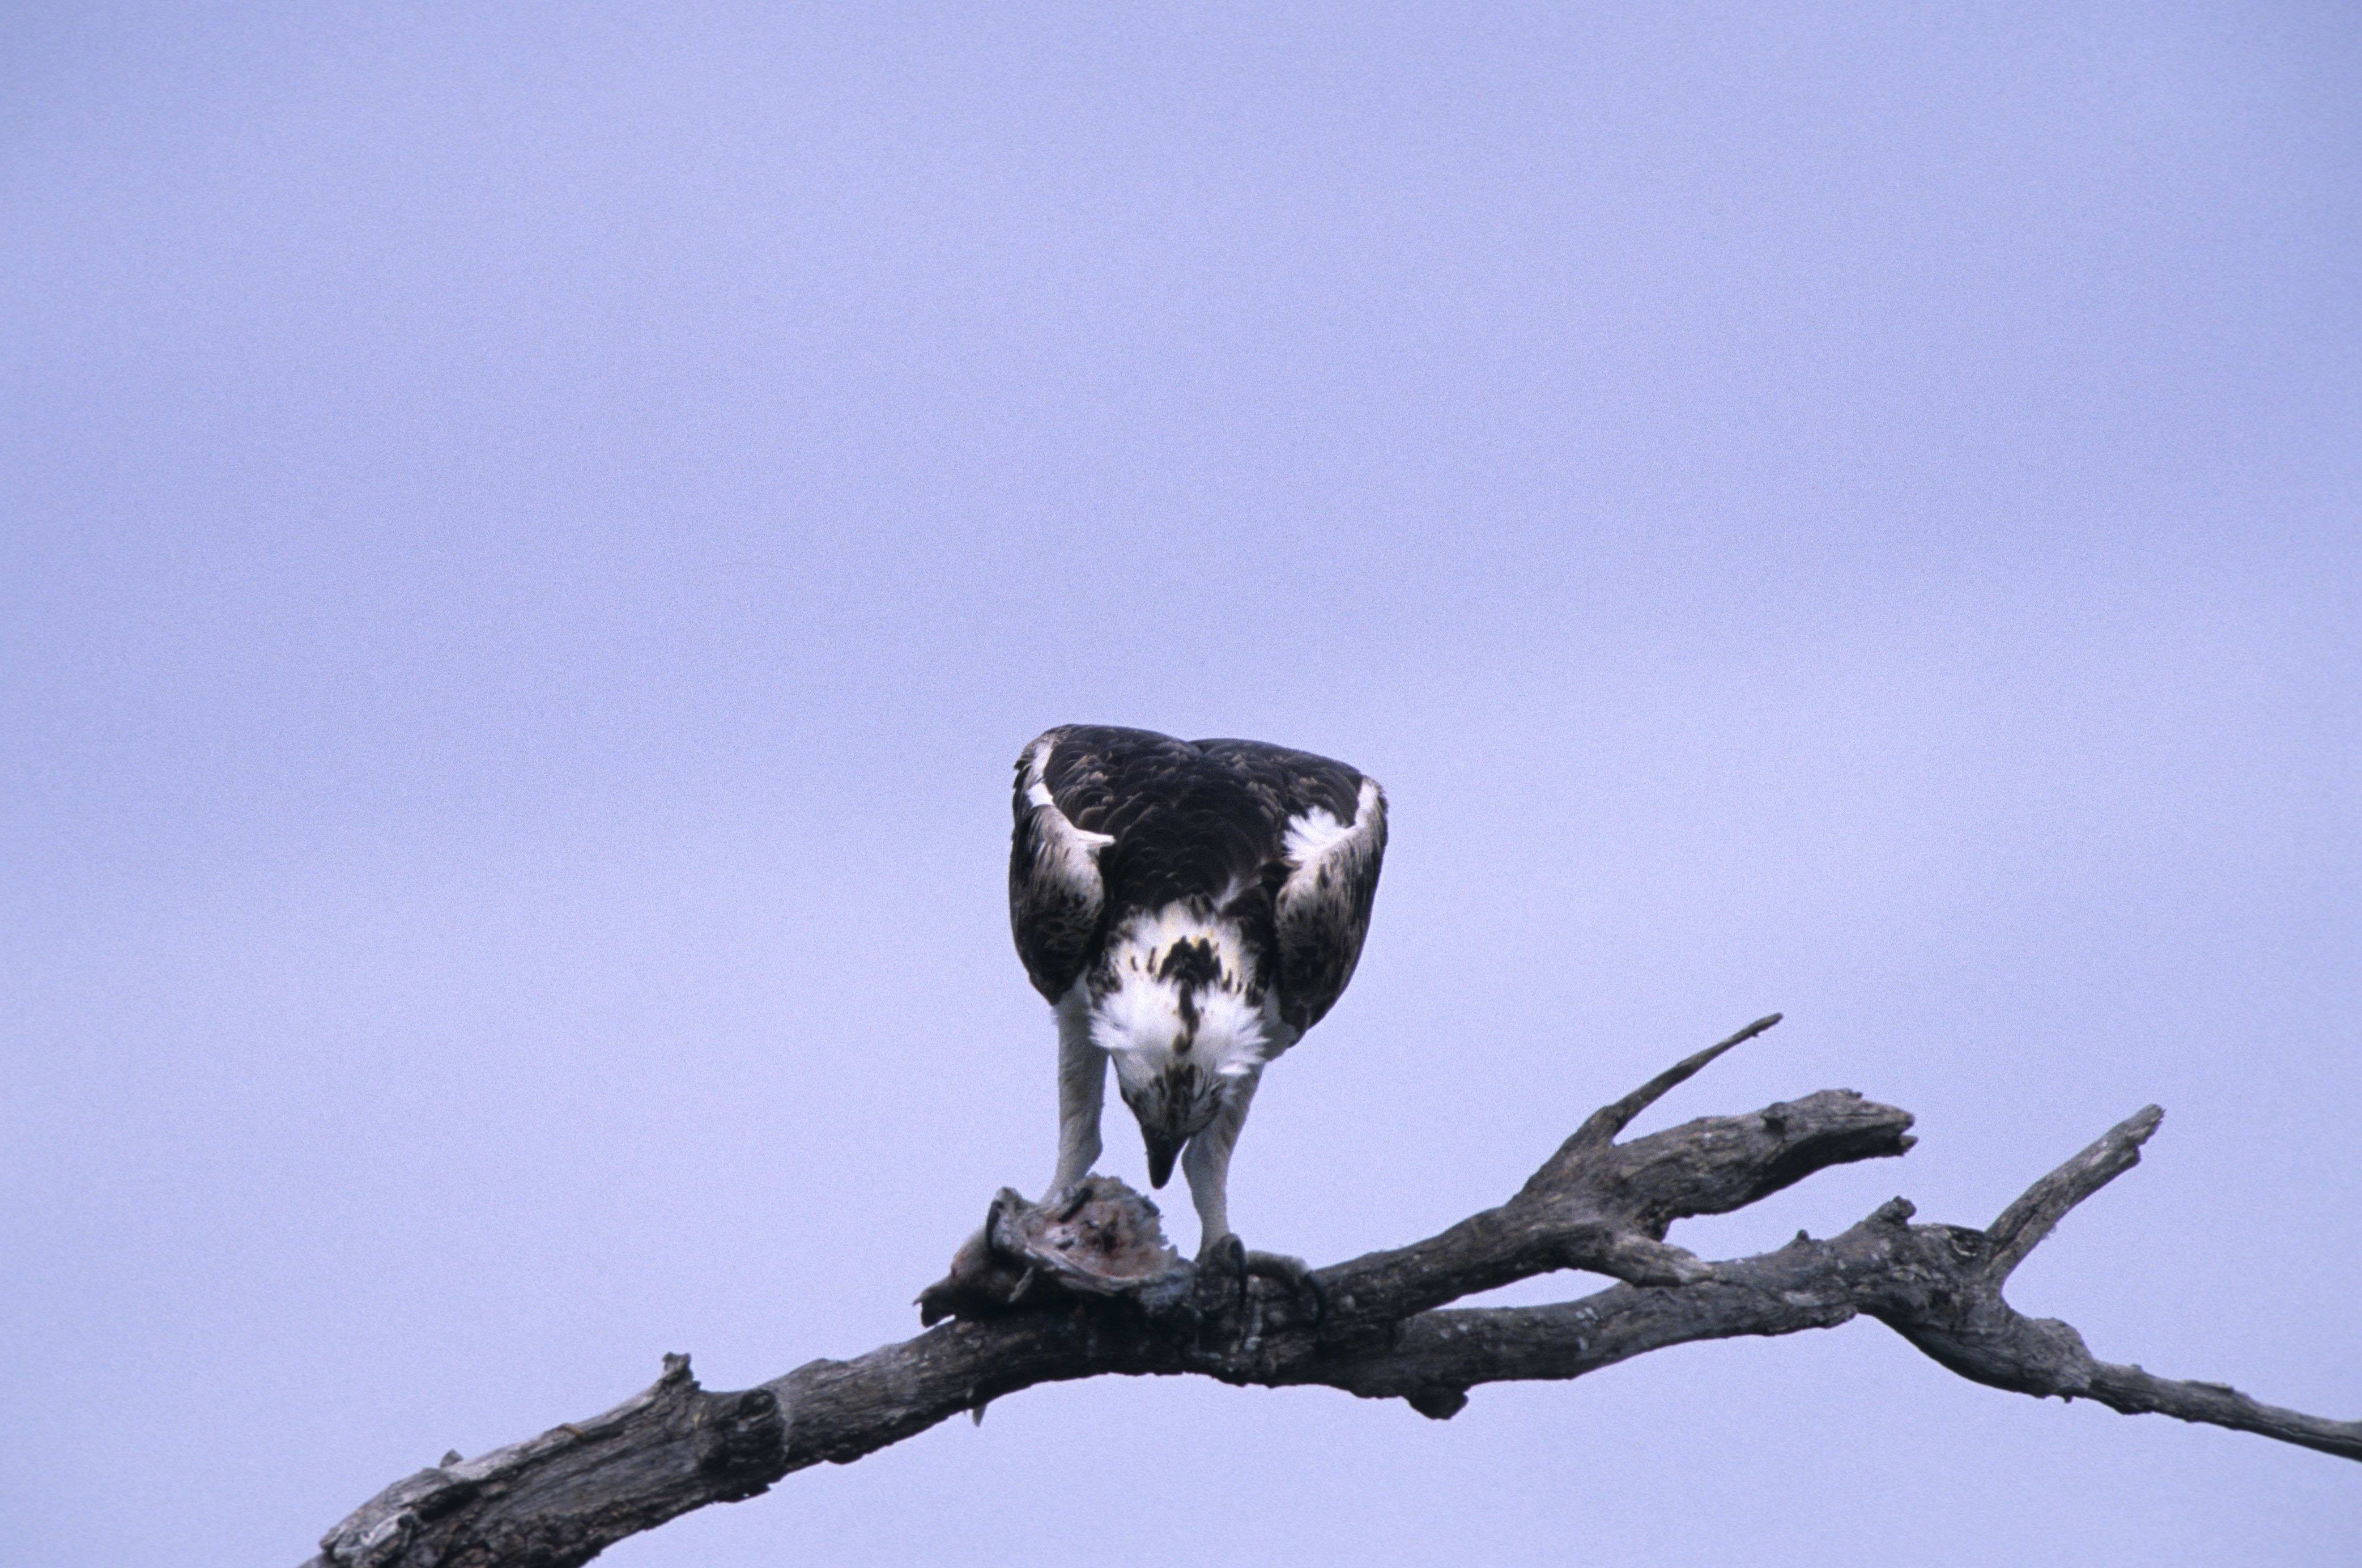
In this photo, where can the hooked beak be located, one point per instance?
(1160, 1158)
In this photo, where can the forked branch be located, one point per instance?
(1044, 1296)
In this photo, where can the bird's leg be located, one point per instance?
(1207, 1163)
(1081, 1090)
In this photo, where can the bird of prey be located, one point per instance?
(1190, 909)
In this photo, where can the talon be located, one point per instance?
(1225, 1250)
(1292, 1272)
(992, 1213)
(1231, 1256)
(1225, 1258)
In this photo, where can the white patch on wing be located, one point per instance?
(1314, 832)
(1310, 833)
(1037, 765)
(1066, 852)
(1326, 894)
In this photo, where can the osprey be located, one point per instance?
(1190, 909)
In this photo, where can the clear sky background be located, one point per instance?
(530, 538)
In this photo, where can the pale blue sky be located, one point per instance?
(528, 544)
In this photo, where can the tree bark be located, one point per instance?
(1047, 1293)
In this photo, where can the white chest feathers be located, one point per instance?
(1179, 989)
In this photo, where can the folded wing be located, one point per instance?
(1057, 900)
(1330, 841)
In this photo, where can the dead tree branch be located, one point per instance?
(1088, 1289)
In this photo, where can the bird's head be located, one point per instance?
(1177, 1005)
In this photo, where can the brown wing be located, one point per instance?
(1058, 900)
(1330, 841)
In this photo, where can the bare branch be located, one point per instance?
(2135, 1393)
(2024, 1223)
(1609, 1120)
(1088, 1287)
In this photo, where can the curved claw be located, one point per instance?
(1222, 1274)
(1292, 1272)
(1074, 1198)
(1230, 1258)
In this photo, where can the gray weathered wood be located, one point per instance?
(1047, 1294)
